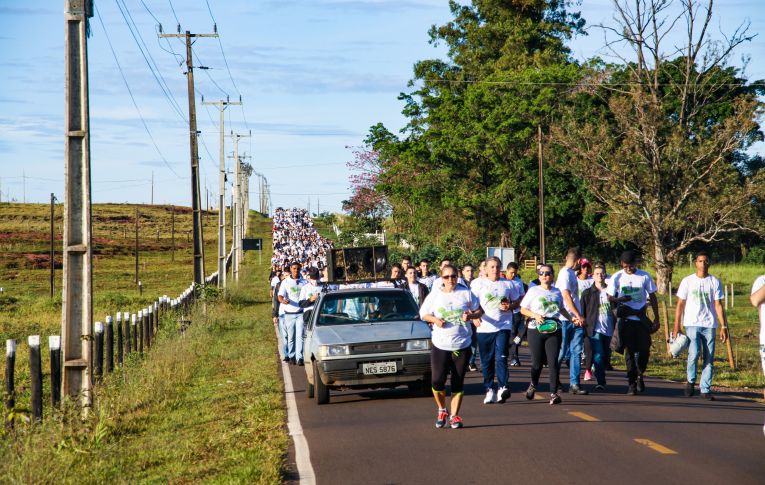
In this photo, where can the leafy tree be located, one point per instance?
(661, 140)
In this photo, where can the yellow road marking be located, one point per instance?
(656, 446)
(583, 416)
(539, 398)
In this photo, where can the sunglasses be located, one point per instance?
(545, 273)
(450, 276)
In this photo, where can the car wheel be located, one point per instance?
(321, 390)
(308, 389)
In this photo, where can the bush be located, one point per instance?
(755, 255)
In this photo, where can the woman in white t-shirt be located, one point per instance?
(448, 310)
(758, 300)
(543, 306)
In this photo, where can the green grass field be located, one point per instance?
(205, 406)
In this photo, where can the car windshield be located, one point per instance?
(368, 307)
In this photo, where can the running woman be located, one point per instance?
(543, 304)
(758, 301)
(448, 310)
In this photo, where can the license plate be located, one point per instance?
(379, 368)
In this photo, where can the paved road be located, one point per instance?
(387, 437)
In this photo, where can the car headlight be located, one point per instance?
(423, 344)
(334, 350)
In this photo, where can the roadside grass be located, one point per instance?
(206, 406)
(744, 327)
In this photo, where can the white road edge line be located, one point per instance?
(302, 454)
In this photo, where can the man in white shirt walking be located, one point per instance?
(573, 330)
(700, 310)
(289, 296)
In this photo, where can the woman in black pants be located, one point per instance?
(543, 306)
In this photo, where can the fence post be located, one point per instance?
(35, 372)
(134, 329)
(109, 344)
(98, 364)
(139, 326)
(732, 297)
(665, 317)
(119, 340)
(725, 291)
(54, 344)
(10, 366)
(729, 348)
(156, 317)
(147, 327)
(128, 337)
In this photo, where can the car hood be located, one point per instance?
(372, 332)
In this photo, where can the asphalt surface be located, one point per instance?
(660, 436)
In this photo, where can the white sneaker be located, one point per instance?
(491, 397)
(503, 394)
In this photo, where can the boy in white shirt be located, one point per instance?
(700, 309)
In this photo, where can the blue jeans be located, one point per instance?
(599, 344)
(703, 339)
(283, 333)
(294, 324)
(493, 349)
(571, 348)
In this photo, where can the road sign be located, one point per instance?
(506, 255)
(252, 244)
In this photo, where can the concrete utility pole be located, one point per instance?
(222, 105)
(77, 288)
(136, 246)
(152, 187)
(199, 248)
(236, 206)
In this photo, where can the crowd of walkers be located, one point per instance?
(576, 318)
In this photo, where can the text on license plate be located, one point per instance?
(379, 368)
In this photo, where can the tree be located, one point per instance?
(661, 139)
(366, 202)
(467, 159)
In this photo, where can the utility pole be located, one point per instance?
(77, 288)
(236, 207)
(541, 198)
(24, 186)
(152, 187)
(222, 105)
(136, 246)
(199, 249)
(52, 248)
(172, 235)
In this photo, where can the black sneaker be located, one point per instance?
(530, 392)
(555, 398)
(577, 390)
(286, 359)
(631, 391)
(640, 384)
(708, 396)
(293, 361)
(600, 387)
(688, 390)
(300, 363)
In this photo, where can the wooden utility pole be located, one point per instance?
(199, 249)
(77, 288)
(52, 247)
(172, 234)
(541, 198)
(222, 105)
(136, 246)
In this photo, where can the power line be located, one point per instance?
(132, 98)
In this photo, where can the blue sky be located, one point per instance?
(314, 75)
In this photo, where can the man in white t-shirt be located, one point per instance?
(700, 310)
(498, 297)
(758, 301)
(289, 295)
(636, 290)
(573, 332)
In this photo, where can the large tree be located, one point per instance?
(469, 149)
(661, 137)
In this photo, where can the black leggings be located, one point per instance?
(443, 362)
(544, 346)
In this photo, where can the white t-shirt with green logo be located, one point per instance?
(455, 334)
(307, 291)
(700, 295)
(490, 294)
(637, 286)
(544, 302)
(759, 283)
(605, 323)
(290, 289)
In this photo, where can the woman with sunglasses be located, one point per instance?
(449, 309)
(543, 306)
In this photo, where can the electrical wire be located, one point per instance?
(132, 98)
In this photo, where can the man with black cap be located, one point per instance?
(636, 289)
